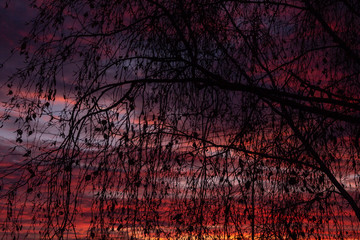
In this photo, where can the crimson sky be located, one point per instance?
(13, 28)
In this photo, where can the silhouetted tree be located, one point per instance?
(219, 119)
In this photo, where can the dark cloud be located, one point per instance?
(13, 22)
(13, 25)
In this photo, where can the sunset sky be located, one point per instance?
(244, 128)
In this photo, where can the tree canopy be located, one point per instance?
(173, 119)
